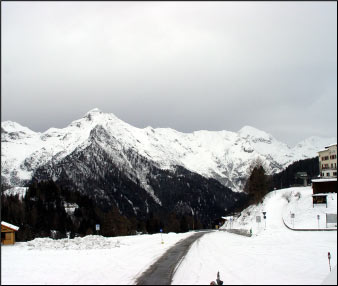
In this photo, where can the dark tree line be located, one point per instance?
(42, 210)
(286, 178)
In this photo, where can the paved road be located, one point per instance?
(162, 271)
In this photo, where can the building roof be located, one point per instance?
(11, 226)
(326, 147)
(301, 174)
(334, 144)
(324, 180)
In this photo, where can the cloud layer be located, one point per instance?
(184, 65)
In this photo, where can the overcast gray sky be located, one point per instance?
(185, 65)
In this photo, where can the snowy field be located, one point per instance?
(90, 260)
(273, 255)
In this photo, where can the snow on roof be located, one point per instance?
(11, 226)
(324, 180)
(334, 144)
(319, 195)
(327, 147)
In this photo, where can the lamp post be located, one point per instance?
(329, 257)
(293, 219)
(264, 216)
(161, 236)
(318, 218)
(193, 219)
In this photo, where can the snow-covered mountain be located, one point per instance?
(222, 155)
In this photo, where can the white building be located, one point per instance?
(328, 161)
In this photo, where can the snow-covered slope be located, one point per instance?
(222, 155)
(274, 254)
(279, 205)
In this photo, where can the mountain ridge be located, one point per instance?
(222, 155)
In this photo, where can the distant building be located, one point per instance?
(8, 233)
(303, 176)
(328, 162)
(327, 183)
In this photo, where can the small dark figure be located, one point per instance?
(218, 280)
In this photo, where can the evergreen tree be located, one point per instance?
(184, 224)
(257, 184)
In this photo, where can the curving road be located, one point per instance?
(162, 271)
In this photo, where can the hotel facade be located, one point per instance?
(328, 162)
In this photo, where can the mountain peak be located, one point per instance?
(11, 126)
(253, 132)
(94, 111)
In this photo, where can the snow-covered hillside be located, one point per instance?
(222, 155)
(279, 205)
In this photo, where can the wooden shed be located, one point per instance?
(319, 199)
(320, 186)
(8, 233)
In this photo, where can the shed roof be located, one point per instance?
(11, 226)
(324, 180)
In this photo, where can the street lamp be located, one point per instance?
(264, 216)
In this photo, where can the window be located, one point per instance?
(327, 174)
(335, 174)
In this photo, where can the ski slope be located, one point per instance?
(273, 255)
